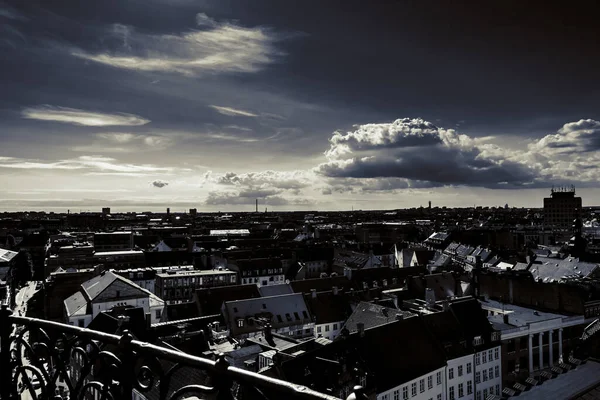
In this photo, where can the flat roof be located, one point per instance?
(566, 385)
(517, 315)
(195, 273)
(219, 232)
(119, 253)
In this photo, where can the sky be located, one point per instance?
(303, 105)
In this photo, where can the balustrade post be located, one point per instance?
(221, 381)
(7, 385)
(127, 365)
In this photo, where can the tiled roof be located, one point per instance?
(327, 307)
(372, 315)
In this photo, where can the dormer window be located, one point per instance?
(240, 323)
(477, 341)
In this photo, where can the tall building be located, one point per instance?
(562, 208)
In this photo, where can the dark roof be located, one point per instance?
(182, 311)
(472, 318)
(209, 301)
(404, 350)
(372, 315)
(379, 274)
(327, 307)
(447, 329)
(275, 290)
(320, 284)
(443, 285)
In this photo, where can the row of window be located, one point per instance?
(459, 370)
(460, 389)
(486, 391)
(263, 272)
(413, 388)
(335, 326)
(255, 280)
(487, 374)
(485, 356)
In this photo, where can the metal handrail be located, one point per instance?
(237, 374)
(219, 368)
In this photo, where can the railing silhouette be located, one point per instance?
(50, 360)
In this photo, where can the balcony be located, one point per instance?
(52, 360)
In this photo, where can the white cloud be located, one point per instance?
(93, 164)
(233, 112)
(81, 117)
(216, 48)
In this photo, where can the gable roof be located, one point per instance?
(372, 315)
(405, 350)
(275, 290)
(279, 311)
(327, 307)
(210, 300)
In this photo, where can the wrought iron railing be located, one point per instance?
(50, 360)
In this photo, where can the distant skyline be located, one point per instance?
(147, 104)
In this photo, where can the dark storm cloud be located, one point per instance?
(417, 150)
(160, 184)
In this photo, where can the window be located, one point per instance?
(485, 375)
(81, 322)
(479, 395)
(497, 371)
(477, 377)
(483, 357)
(279, 318)
(413, 388)
(469, 387)
(305, 314)
(297, 316)
(498, 390)
(421, 385)
(496, 353)
(491, 390)
(429, 382)
(240, 323)
(485, 393)
(461, 390)
(264, 306)
(460, 370)
(477, 359)
(439, 378)
(118, 293)
(288, 317)
(397, 394)
(158, 314)
(327, 328)
(405, 393)
(451, 393)
(384, 397)
(451, 373)
(439, 396)
(469, 368)
(318, 329)
(491, 372)
(335, 327)
(490, 355)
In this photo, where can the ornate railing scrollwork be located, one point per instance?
(51, 360)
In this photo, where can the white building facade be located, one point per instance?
(431, 386)
(488, 372)
(460, 378)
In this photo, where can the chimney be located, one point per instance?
(334, 290)
(385, 283)
(505, 318)
(446, 305)
(268, 333)
(430, 297)
(361, 329)
(313, 293)
(148, 321)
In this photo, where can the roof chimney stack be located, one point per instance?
(334, 290)
(361, 329)
(313, 293)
